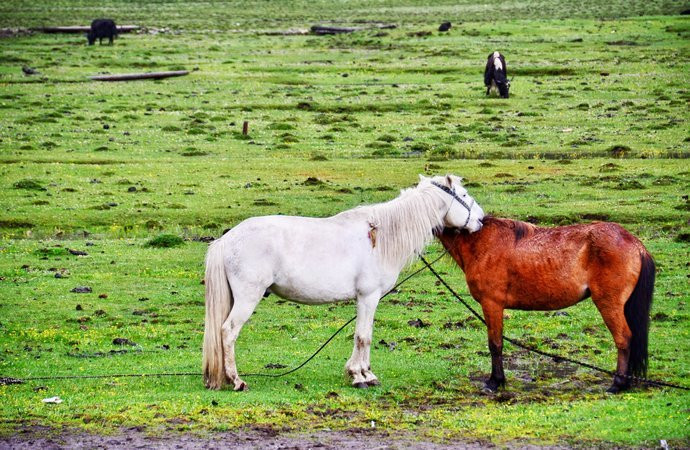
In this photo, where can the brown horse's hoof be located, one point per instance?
(614, 389)
(360, 385)
(374, 382)
(620, 384)
(491, 386)
(487, 390)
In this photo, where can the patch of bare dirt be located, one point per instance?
(14, 32)
(257, 438)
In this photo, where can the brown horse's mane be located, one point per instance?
(519, 229)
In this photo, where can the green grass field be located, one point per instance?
(597, 128)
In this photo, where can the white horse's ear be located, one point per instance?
(453, 178)
(422, 177)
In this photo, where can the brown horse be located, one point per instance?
(517, 265)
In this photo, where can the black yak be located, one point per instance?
(101, 28)
(496, 75)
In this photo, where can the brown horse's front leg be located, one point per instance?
(493, 314)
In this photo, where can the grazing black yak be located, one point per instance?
(496, 75)
(101, 28)
(445, 26)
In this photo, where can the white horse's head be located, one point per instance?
(461, 210)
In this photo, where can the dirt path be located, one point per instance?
(246, 439)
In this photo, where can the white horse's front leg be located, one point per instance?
(358, 366)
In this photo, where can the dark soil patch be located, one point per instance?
(31, 437)
(82, 290)
(665, 180)
(29, 184)
(618, 151)
(622, 42)
(418, 323)
(97, 354)
(312, 181)
(123, 341)
(275, 366)
(627, 184)
(609, 167)
(683, 237)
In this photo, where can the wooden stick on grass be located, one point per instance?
(139, 76)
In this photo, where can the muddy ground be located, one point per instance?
(45, 439)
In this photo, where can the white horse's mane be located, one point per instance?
(403, 226)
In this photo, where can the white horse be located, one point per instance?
(358, 253)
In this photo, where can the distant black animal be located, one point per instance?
(30, 70)
(445, 26)
(496, 75)
(102, 28)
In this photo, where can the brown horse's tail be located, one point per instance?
(637, 315)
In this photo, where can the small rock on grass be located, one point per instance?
(123, 341)
(81, 290)
(417, 323)
(275, 366)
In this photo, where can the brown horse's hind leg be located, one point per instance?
(611, 309)
(493, 314)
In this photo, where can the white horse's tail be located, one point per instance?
(218, 306)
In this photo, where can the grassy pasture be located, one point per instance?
(596, 128)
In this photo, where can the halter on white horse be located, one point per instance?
(358, 253)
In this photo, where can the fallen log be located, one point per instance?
(323, 30)
(290, 32)
(83, 29)
(139, 76)
(318, 29)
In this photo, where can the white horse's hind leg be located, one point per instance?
(358, 366)
(243, 306)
